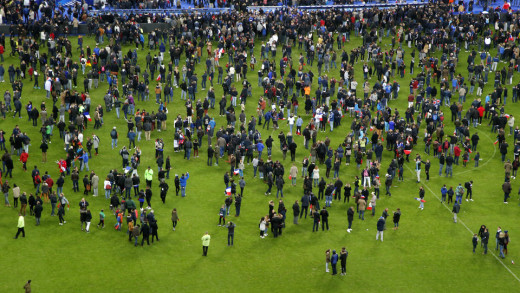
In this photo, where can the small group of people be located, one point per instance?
(332, 258)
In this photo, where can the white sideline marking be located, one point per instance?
(469, 230)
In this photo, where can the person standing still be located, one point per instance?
(296, 211)
(343, 259)
(474, 241)
(380, 228)
(334, 262)
(21, 226)
(231, 233)
(205, 243)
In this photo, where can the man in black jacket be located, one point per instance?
(305, 205)
(296, 211)
(324, 218)
(145, 230)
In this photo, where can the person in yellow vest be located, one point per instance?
(205, 243)
(148, 176)
(21, 226)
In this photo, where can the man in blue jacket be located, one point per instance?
(85, 161)
(380, 228)
(183, 182)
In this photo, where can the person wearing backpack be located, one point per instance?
(459, 192)
(114, 135)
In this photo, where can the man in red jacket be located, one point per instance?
(23, 158)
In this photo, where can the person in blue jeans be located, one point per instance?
(114, 136)
(279, 186)
(361, 207)
(183, 183)
(334, 262)
(316, 216)
(231, 233)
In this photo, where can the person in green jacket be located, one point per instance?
(205, 244)
(21, 227)
(148, 176)
(101, 219)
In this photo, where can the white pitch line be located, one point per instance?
(463, 224)
(485, 163)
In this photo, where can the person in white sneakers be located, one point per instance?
(350, 216)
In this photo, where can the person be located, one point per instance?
(455, 210)
(421, 198)
(175, 218)
(145, 230)
(38, 213)
(334, 262)
(316, 222)
(474, 241)
(154, 228)
(499, 230)
(362, 205)
(350, 218)
(484, 240)
(397, 217)
(101, 219)
(148, 176)
(136, 233)
(501, 243)
(88, 219)
(83, 204)
(183, 182)
(343, 259)
(380, 227)
(231, 233)
(324, 218)
(222, 215)
(296, 212)
(21, 226)
(27, 287)
(61, 213)
(327, 260)
(206, 238)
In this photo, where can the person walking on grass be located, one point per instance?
(350, 218)
(343, 260)
(88, 219)
(175, 218)
(135, 233)
(61, 213)
(421, 198)
(145, 230)
(474, 241)
(101, 219)
(455, 211)
(21, 226)
(206, 238)
(380, 228)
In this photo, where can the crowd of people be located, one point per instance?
(324, 78)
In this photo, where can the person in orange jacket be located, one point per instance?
(23, 158)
